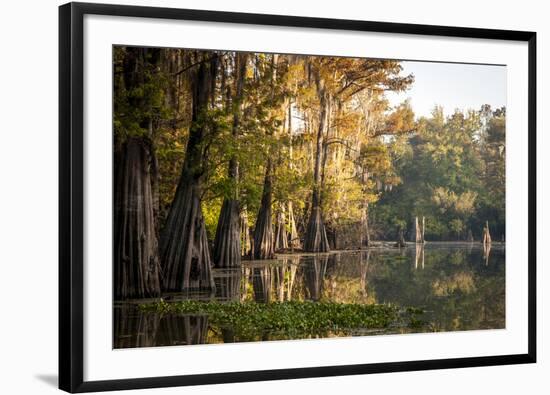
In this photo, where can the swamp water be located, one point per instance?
(458, 286)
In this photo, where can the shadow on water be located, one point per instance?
(460, 286)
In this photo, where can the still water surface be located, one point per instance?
(459, 286)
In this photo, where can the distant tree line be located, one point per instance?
(452, 171)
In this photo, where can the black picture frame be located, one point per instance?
(71, 222)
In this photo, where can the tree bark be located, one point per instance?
(136, 246)
(136, 260)
(294, 241)
(281, 236)
(227, 243)
(418, 238)
(246, 246)
(263, 231)
(184, 246)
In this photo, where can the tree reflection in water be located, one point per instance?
(228, 284)
(135, 329)
(419, 255)
(364, 259)
(486, 253)
(261, 282)
(314, 275)
(454, 284)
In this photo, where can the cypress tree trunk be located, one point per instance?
(227, 243)
(281, 236)
(136, 247)
(316, 236)
(263, 231)
(184, 246)
(264, 242)
(246, 246)
(136, 260)
(294, 241)
(400, 238)
(486, 239)
(365, 233)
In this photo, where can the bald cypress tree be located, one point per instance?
(316, 235)
(136, 260)
(184, 250)
(227, 243)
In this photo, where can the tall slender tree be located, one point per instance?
(264, 240)
(227, 243)
(316, 236)
(184, 246)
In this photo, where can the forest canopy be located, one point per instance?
(224, 155)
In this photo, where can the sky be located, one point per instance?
(452, 85)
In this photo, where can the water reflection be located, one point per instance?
(228, 284)
(284, 275)
(486, 252)
(364, 264)
(460, 286)
(262, 283)
(314, 275)
(419, 256)
(135, 329)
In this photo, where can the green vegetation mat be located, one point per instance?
(293, 317)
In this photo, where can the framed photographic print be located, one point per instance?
(253, 197)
